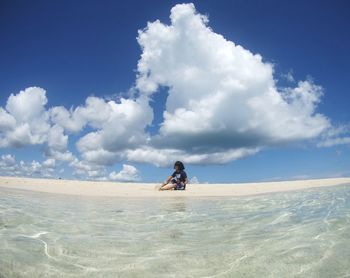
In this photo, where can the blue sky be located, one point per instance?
(85, 48)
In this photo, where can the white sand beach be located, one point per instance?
(98, 188)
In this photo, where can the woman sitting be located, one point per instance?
(177, 180)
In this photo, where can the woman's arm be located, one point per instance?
(164, 186)
(167, 180)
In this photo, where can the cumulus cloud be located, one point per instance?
(223, 99)
(57, 145)
(93, 171)
(10, 167)
(116, 126)
(74, 120)
(128, 173)
(49, 163)
(123, 127)
(84, 169)
(166, 157)
(7, 161)
(223, 104)
(24, 122)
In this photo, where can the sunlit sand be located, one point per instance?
(97, 188)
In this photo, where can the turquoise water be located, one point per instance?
(297, 234)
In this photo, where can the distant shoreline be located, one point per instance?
(98, 188)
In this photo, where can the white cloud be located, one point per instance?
(86, 169)
(65, 118)
(57, 144)
(7, 121)
(116, 126)
(95, 112)
(24, 122)
(123, 127)
(166, 157)
(9, 167)
(27, 105)
(7, 160)
(330, 142)
(336, 135)
(49, 163)
(83, 169)
(128, 173)
(221, 96)
(223, 104)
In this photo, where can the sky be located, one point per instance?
(239, 91)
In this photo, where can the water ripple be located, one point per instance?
(296, 234)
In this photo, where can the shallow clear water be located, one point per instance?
(296, 234)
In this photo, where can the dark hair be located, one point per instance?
(180, 165)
